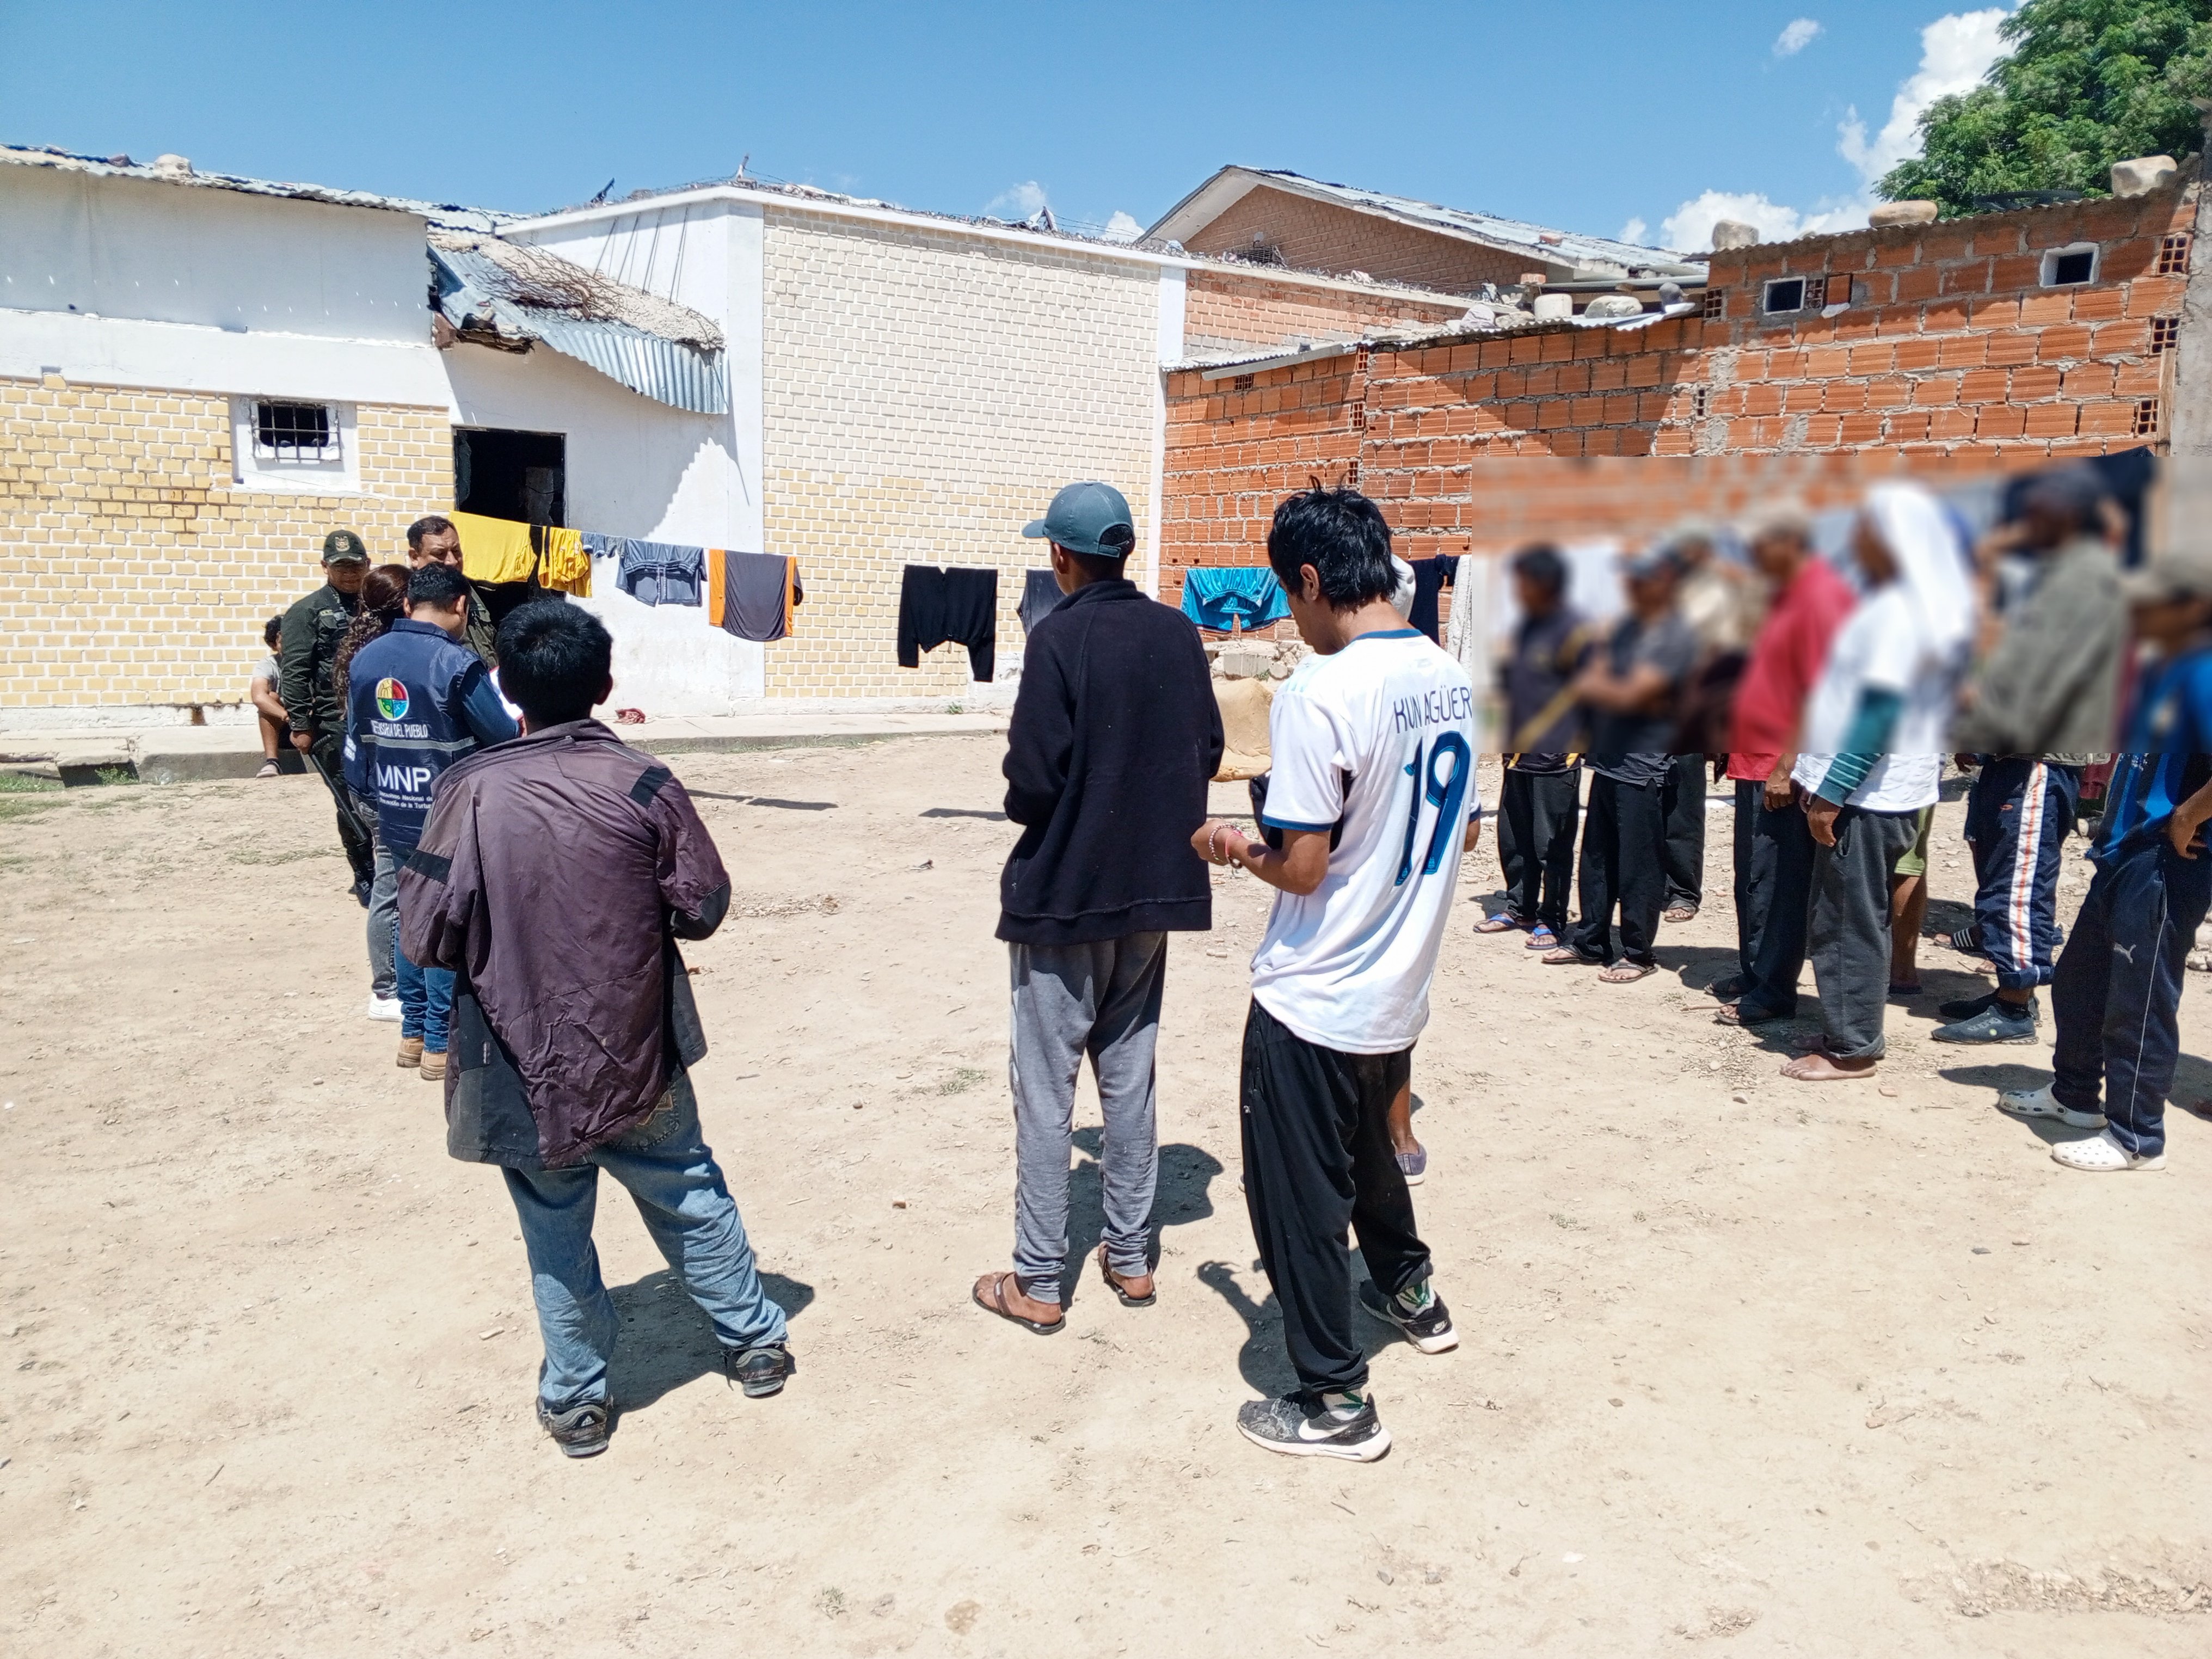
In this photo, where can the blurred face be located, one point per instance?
(346, 576)
(2168, 624)
(437, 547)
(1533, 597)
(1651, 592)
(1778, 555)
(1873, 553)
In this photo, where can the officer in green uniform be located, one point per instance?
(435, 540)
(313, 627)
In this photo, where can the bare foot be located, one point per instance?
(1819, 1067)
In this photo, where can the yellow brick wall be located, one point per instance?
(132, 571)
(925, 394)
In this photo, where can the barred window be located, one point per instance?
(295, 432)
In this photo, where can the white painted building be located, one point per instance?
(887, 387)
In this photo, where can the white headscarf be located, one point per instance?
(1931, 567)
(1401, 596)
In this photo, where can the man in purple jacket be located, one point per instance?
(554, 877)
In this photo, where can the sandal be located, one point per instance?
(268, 769)
(1542, 938)
(1732, 1013)
(1502, 922)
(1728, 989)
(1679, 913)
(1565, 956)
(1627, 973)
(997, 1305)
(1114, 1282)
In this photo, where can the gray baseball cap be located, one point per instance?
(1089, 518)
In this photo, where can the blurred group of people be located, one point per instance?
(1830, 670)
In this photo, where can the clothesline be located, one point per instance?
(753, 596)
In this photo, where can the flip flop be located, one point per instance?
(998, 1305)
(1542, 938)
(1497, 924)
(1627, 973)
(1680, 913)
(1565, 956)
(1114, 1282)
(1732, 1013)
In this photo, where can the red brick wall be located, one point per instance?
(1320, 236)
(1224, 310)
(1952, 359)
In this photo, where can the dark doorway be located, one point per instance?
(523, 476)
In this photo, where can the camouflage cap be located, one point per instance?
(344, 547)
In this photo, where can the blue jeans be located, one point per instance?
(426, 1001)
(678, 1189)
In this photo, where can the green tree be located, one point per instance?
(2088, 82)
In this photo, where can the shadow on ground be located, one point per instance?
(1184, 1195)
(1263, 1362)
(664, 1341)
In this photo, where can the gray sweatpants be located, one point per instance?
(1847, 935)
(1071, 1000)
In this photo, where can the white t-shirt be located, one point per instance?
(1880, 646)
(1381, 734)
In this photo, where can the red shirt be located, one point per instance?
(1787, 657)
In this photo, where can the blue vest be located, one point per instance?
(404, 724)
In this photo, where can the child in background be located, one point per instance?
(262, 692)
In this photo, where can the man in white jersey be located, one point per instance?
(1373, 742)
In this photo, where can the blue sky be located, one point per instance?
(1590, 117)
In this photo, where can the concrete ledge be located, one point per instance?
(210, 754)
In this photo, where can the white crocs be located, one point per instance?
(2101, 1153)
(2041, 1102)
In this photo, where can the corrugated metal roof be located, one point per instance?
(1542, 241)
(658, 350)
(122, 166)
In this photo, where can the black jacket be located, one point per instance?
(1116, 736)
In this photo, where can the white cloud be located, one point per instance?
(1800, 34)
(1122, 227)
(1634, 231)
(1690, 227)
(1020, 200)
(1956, 51)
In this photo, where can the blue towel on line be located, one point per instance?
(1213, 596)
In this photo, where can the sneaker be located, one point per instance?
(410, 1051)
(1967, 1007)
(434, 1066)
(2043, 1103)
(1997, 1023)
(760, 1371)
(579, 1431)
(1414, 1166)
(384, 1008)
(1305, 1425)
(2102, 1154)
(1419, 1312)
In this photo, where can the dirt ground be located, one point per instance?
(1747, 1365)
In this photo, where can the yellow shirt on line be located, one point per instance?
(507, 551)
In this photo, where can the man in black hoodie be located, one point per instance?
(1116, 735)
